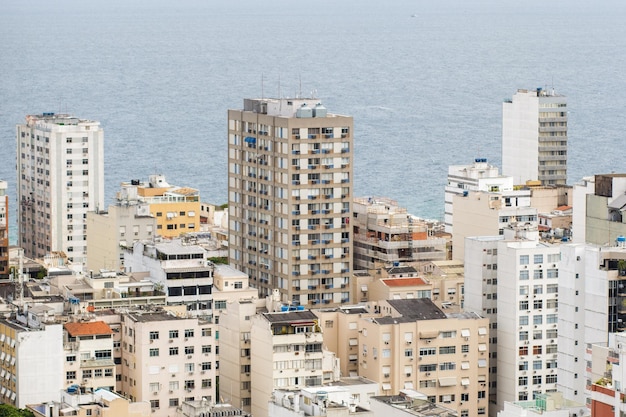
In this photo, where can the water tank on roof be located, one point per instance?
(304, 112)
(319, 110)
(284, 308)
(396, 264)
(621, 241)
(300, 308)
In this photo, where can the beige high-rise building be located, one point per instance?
(290, 182)
(60, 177)
(418, 346)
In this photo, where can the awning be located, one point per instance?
(448, 381)
(429, 335)
(364, 288)
(465, 381)
(353, 357)
(465, 333)
(386, 387)
(465, 365)
(482, 347)
(353, 342)
(482, 363)
(482, 330)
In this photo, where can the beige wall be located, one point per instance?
(473, 217)
(399, 369)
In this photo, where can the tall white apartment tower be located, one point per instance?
(60, 177)
(289, 199)
(534, 137)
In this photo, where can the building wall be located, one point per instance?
(534, 137)
(174, 372)
(4, 231)
(410, 355)
(290, 190)
(108, 233)
(487, 214)
(66, 170)
(34, 374)
(527, 319)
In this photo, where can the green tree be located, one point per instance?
(7, 410)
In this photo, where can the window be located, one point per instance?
(538, 304)
(108, 372)
(428, 351)
(173, 351)
(154, 352)
(538, 259)
(206, 331)
(464, 348)
(524, 260)
(154, 404)
(537, 349)
(523, 305)
(523, 366)
(69, 375)
(189, 333)
(523, 274)
(538, 274)
(447, 366)
(87, 373)
(173, 334)
(173, 402)
(205, 366)
(522, 381)
(206, 348)
(206, 383)
(190, 384)
(408, 353)
(447, 350)
(154, 335)
(537, 379)
(523, 350)
(189, 350)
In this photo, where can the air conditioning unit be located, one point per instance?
(385, 375)
(386, 342)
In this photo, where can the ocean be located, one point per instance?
(424, 80)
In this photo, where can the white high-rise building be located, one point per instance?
(534, 137)
(479, 176)
(60, 177)
(528, 283)
(289, 199)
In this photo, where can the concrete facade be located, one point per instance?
(290, 190)
(479, 176)
(4, 231)
(60, 167)
(534, 137)
(111, 231)
(385, 232)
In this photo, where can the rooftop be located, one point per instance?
(290, 316)
(153, 316)
(417, 308)
(403, 282)
(86, 329)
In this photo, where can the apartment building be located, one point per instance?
(481, 294)
(60, 177)
(109, 232)
(176, 209)
(534, 137)
(287, 353)
(31, 358)
(88, 354)
(178, 267)
(290, 189)
(415, 345)
(527, 319)
(605, 376)
(385, 232)
(488, 214)
(479, 176)
(592, 306)
(4, 231)
(167, 359)
(327, 401)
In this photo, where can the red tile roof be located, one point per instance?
(403, 282)
(85, 329)
(563, 208)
